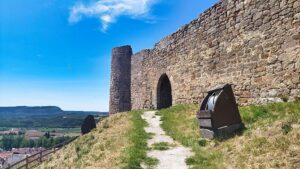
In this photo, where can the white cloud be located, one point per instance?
(107, 11)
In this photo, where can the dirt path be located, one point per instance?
(174, 157)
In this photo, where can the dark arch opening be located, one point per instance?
(164, 92)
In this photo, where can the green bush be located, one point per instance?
(202, 142)
(286, 128)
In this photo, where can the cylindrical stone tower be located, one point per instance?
(120, 82)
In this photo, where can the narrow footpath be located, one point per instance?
(175, 156)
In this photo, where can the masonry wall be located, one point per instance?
(120, 82)
(252, 44)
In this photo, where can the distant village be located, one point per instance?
(16, 154)
(30, 135)
(9, 157)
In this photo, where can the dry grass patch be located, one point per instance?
(264, 147)
(103, 148)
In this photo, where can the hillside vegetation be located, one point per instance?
(119, 141)
(270, 140)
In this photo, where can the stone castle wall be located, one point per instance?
(252, 44)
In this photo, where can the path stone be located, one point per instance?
(173, 158)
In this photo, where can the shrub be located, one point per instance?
(284, 98)
(202, 142)
(286, 128)
(88, 124)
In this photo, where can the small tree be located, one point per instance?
(47, 134)
(88, 124)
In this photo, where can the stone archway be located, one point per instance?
(164, 92)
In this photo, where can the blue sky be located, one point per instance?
(57, 52)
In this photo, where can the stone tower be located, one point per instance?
(120, 97)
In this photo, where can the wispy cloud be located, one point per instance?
(107, 11)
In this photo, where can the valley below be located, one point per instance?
(28, 130)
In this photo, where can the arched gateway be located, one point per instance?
(164, 92)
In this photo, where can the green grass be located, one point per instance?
(136, 153)
(161, 146)
(202, 142)
(149, 161)
(181, 124)
(266, 114)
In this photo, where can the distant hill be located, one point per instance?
(43, 116)
(23, 110)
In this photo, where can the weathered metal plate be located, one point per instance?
(205, 122)
(204, 114)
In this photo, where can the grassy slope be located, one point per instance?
(136, 153)
(271, 139)
(118, 142)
